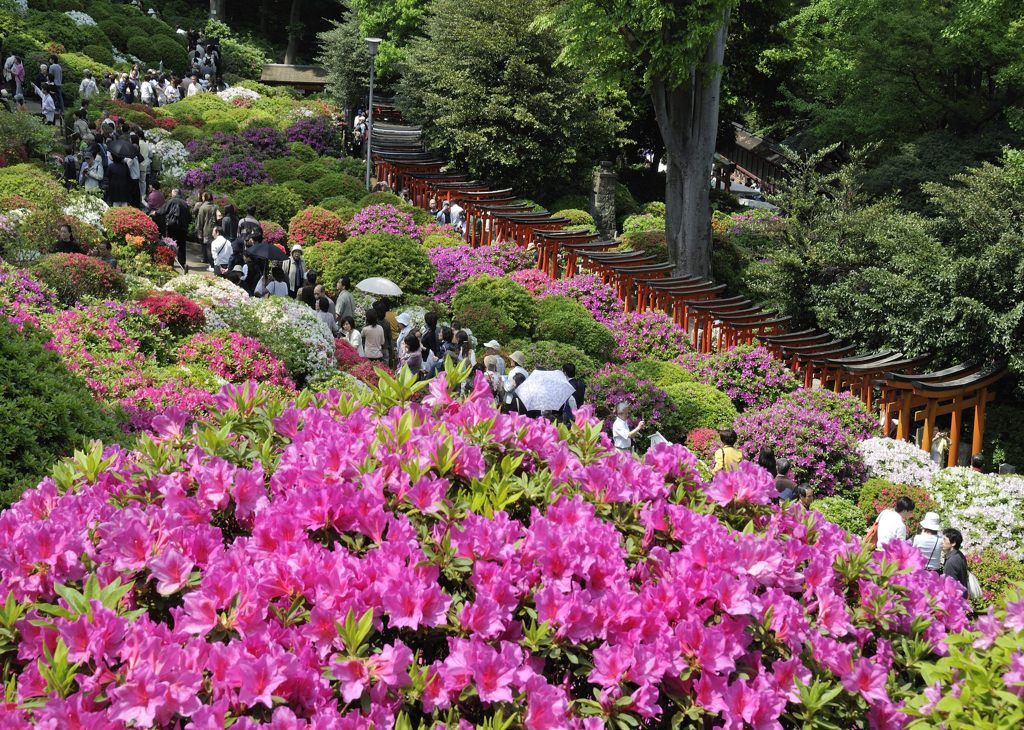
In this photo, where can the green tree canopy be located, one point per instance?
(486, 89)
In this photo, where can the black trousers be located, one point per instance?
(178, 234)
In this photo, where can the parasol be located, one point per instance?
(379, 286)
(545, 390)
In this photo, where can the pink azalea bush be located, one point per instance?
(654, 335)
(821, 452)
(751, 376)
(318, 566)
(459, 264)
(22, 297)
(383, 219)
(145, 407)
(235, 358)
(534, 281)
(593, 294)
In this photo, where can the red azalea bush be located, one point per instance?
(235, 358)
(703, 442)
(315, 224)
(346, 355)
(74, 275)
(127, 221)
(367, 372)
(178, 313)
(321, 565)
(534, 280)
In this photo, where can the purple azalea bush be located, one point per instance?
(751, 376)
(458, 264)
(593, 294)
(22, 297)
(383, 218)
(245, 170)
(822, 453)
(614, 384)
(320, 133)
(654, 335)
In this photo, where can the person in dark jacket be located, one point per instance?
(579, 391)
(66, 241)
(119, 188)
(176, 218)
(955, 565)
(229, 223)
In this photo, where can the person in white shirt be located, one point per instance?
(272, 284)
(929, 541)
(458, 216)
(622, 435)
(892, 523)
(519, 362)
(94, 173)
(220, 249)
(351, 334)
(193, 87)
(87, 89)
(146, 91)
(493, 348)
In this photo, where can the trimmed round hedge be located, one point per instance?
(46, 412)
(565, 320)
(398, 258)
(662, 373)
(273, 202)
(696, 406)
(338, 184)
(495, 308)
(548, 355)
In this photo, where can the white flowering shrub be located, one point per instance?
(289, 329)
(238, 92)
(172, 154)
(988, 509)
(208, 290)
(79, 18)
(897, 461)
(87, 208)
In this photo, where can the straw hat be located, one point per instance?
(492, 345)
(518, 358)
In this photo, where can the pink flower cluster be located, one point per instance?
(235, 358)
(23, 298)
(644, 335)
(461, 263)
(534, 281)
(383, 219)
(249, 579)
(592, 293)
(146, 405)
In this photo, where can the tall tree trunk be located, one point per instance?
(219, 10)
(294, 32)
(265, 7)
(688, 120)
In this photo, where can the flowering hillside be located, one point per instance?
(355, 564)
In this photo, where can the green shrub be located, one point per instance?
(625, 203)
(117, 31)
(842, 512)
(448, 240)
(311, 171)
(152, 50)
(419, 216)
(25, 134)
(273, 202)
(353, 166)
(338, 185)
(344, 207)
(99, 54)
(23, 44)
(46, 412)
(59, 28)
(577, 218)
(327, 259)
(569, 202)
(878, 494)
(380, 198)
(565, 320)
(549, 355)
(495, 308)
(400, 259)
(1004, 436)
(643, 222)
(243, 59)
(32, 182)
(301, 188)
(696, 406)
(282, 169)
(303, 152)
(652, 243)
(655, 207)
(662, 373)
(185, 133)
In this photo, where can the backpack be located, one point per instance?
(247, 227)
(871, 539)
(172, 216)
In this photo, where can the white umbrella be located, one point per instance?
(545, 390)
(380, 286)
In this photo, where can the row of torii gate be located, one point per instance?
(896, 384)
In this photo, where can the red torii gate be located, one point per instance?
(548, 244)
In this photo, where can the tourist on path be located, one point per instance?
(622, 434)
(929, 542)
(892, 523)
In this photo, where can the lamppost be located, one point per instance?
(371, 46)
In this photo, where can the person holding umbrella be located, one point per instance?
(261, 253)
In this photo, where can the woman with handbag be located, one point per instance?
(929, 542)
